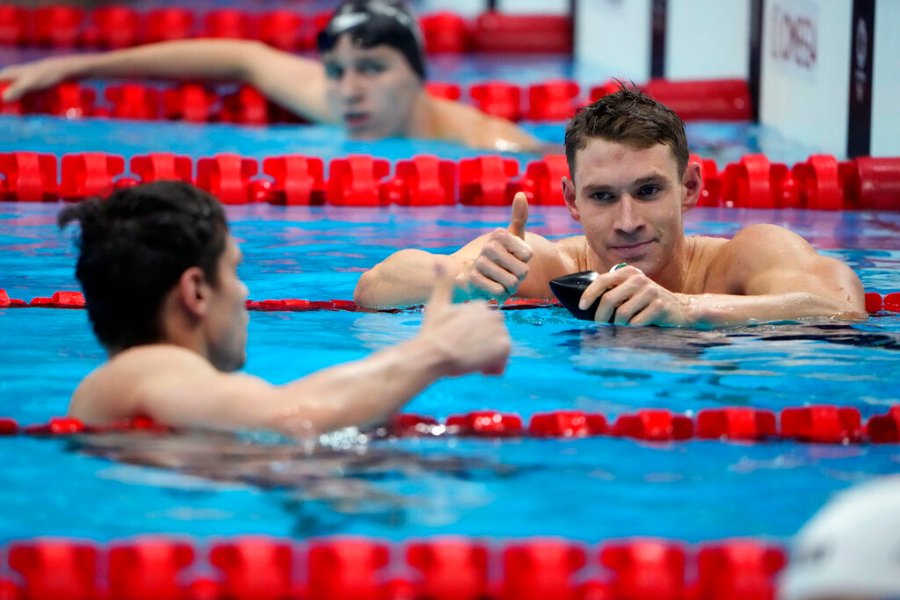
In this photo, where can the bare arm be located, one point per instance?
(506, 262)
(765, 273)
(178, 387)
(296, 83)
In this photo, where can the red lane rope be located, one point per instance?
(822, 424)
(875, 303)
(118, 26)
(821, 182)
(203, 102)
(442, 568)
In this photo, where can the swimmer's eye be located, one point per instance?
(370, 68)
(649, 191)
(333, 71)
(602, 197)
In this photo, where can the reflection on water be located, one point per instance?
(323, 483)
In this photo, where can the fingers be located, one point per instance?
(442, 291)
(519, 216)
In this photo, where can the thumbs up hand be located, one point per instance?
(502, 264)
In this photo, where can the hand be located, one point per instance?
(629, 297)
(471, 336)
(39, 75)
(502, 264)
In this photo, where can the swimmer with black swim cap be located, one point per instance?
(371, 78)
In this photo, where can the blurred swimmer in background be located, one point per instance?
(370, 78)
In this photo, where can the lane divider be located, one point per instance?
(440, 568)
(822, 182)
(820, 424)
(875, 303)
(554, 100)
(119, 26)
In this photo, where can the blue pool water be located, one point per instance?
(587, 489)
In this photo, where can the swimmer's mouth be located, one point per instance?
(356, 120)
(632, 250)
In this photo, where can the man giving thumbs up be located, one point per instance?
(630, 183)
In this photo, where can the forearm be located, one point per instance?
(406, 278)
(183, 59)
(360, 392)
(717, 310)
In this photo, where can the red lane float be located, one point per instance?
(89, 175)
(543, 180)
(296, 180)
(227, 177)
(485, 423)
(113, 27)
(346, 568)
(823, 424)
(356, 180)
(449, 569)
(541, 568)
(422, 181)
(255, 567)
(28, 176)
(164, 24)
(738, 569)
(553, 100)
(820, 183)
(742, 423)
(282, 29)
(653, 425)
(487, 181)
(498, 98)
(567, 423)
(261, 568)
(445, 33)
(646, 568)
(521, 33)
(874, 301)
(57, 26)
(148, 568)
(54, 568)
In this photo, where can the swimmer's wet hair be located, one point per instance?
(373, 23)
(629, 117)
(134, 246)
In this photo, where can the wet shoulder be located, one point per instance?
(115, 389)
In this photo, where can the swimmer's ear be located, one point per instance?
(693, 185)
(193, 291)
(568, 192)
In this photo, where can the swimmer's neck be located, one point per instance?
(423, 119)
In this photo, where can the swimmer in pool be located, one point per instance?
(371, 78)
(159, 272)
(630, 184)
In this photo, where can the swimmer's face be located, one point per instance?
(631, 202)
(226, 317)
(373, 90)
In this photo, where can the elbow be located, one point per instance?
(363, 294)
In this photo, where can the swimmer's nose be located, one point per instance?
(628, 217)
(350, 86)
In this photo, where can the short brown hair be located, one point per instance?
(630, 117)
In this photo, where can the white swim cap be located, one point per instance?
(850, 548)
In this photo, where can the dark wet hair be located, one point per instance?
(630, 117)
(373, 23)
(134, 246)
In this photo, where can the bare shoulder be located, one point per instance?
(466, 124)
(119, 388)
(761, 254)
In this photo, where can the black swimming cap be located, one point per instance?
(375, 22)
